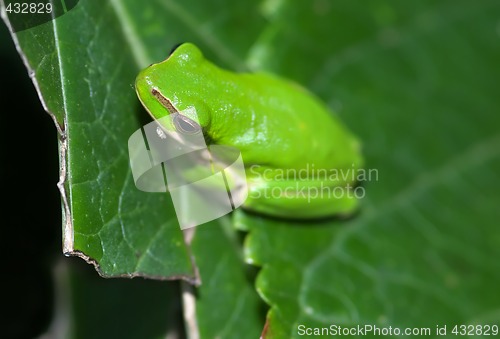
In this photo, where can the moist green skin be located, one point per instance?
(276, 124)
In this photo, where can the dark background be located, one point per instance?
(30, 207)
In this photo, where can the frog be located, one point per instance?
(300, 159)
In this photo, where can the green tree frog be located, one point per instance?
(300, 160)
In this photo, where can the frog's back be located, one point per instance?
(286, 126)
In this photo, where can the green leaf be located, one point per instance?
(227, 304)
(83, 65)
(416, 81)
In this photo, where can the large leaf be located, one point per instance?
(84, 67)
(416, 82)
(227, 305)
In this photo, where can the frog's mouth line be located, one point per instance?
(164, 101)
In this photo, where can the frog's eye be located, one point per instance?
(185, 125)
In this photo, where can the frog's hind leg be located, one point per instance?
(301, 199)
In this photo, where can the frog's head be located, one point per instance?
(173, 87)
